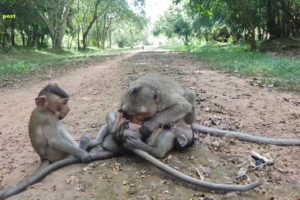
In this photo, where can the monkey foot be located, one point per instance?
(85, 141)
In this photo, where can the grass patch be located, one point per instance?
(280, 71)
(23, 62)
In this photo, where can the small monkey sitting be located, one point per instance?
(51, 140)
(48, 135)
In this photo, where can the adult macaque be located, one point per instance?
(162, 99)
(131, 139)
(166, 103)
(50, 139)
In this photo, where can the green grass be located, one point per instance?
(20, 61)
(280, 71)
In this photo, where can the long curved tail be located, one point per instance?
(196, 182)
(245, 136)
(39, 175)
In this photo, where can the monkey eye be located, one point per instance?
(65, 102)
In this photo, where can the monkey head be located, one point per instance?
(53, 99)
(140, 99)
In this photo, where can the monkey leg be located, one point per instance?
(245, 136)
(89, 143)
(41, 173)
(161, 143)
(109, 144)
(193, 181)
(85, 142)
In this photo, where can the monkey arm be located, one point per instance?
(175, 112)
(65, 146)
(172, 114)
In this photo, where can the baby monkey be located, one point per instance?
(123, 129)
(48, 135)
(162, 140)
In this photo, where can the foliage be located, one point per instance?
(282, 72)
(174, 22)
(244, 20)
(80, 22)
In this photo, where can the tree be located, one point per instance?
(55, 14)
(37, 19)
(249, 20)
(174, 22)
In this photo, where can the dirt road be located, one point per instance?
(223, 100)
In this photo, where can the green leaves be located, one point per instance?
(174, 22)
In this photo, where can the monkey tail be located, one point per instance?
(39, 175)
(196, 182)
(245, 136)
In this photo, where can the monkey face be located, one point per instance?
(63, 108)
(59, 106)
(139, 99)
(52, 98)
(55, 104)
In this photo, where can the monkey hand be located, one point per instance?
(148, 127)
(85, 157)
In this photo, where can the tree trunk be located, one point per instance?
(272, 25)
(250, 26)
(42, 40)
(12, 34)
(56, 27)
(97, 34)
(110, 39)
(78, 38)
(23, 38)
(252, 41)
(103, 39)
(57, 42)
(78, 28)
(35, 35)
(87, 30)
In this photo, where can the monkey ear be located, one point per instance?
(41, 102)
(182, 140)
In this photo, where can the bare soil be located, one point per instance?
(223, 101)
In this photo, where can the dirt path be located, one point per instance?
(228, 101)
